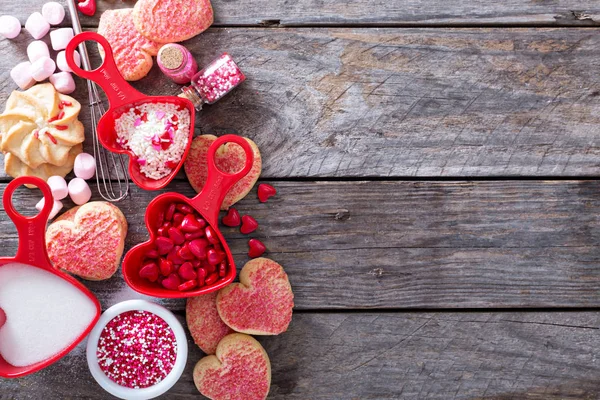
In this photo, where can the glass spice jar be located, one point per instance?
(217, 79)
(176, 62)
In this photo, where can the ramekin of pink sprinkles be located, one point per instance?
(137, 350)
(157, 133)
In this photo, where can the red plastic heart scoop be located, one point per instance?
(160, 143)
(186, 254)
(32, 252)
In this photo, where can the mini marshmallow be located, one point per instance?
(53, 12)
(85, 166)
(21, 74)
(63, 82)
(60, 38)
(37, 26)
(58, 186)
(42, 68)
(79, 191)
(10, 26)
(61, 61)
(56, 207)
(36, 50)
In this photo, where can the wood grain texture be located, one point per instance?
(401, 103)
(373, 12)
(394, 356)
(359, 245)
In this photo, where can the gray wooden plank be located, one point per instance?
(375, 12)
(394, 356)
(401, 102)
(349, 245)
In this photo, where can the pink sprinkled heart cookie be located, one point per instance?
(204, 323)
(240, 370)
(170, 21)
(229, 158)
(262, 303)
(88, 240)
(132, 51)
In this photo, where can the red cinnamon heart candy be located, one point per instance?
(172, 282)
(249, 225)
(150, 272)
(265, 191)
(87, 7)
(257, 248)
(163, 245)
(232, 218)
(186, 271)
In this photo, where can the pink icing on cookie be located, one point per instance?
(88, 240)
(170, 21)
(132, 51)
(204, 323)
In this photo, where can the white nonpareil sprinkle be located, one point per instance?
(148, 129)
(44, 314)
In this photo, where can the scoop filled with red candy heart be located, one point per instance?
(186, 254)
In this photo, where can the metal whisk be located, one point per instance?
(106, 161)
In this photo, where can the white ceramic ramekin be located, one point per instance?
(128, 393)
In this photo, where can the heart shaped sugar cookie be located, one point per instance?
(169, 21)
(88, 240)
(262, 303)
(229, 158)
(204, 323)
(240, 370)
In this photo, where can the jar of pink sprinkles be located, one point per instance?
(137, 350)
(176, 62)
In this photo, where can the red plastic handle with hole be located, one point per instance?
(218, 183)
(118, 91)
(31, 230)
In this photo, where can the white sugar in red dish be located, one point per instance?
(44, 314)
(157, 133)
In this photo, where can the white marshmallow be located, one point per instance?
(53, 12)
(79, 191)
(59, 188)
(61, 61)
(21, 74)
(85, 166)
(36, 50)
(37, 26)
(42, 68)
(63, 82)
(56, 207)
(10, 26)
(60, 38)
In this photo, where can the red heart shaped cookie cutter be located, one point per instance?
(207, 203)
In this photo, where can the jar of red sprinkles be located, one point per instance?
(137, 350)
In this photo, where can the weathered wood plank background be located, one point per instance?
(411, 281)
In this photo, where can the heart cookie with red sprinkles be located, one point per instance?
(132, 51)
(204, 323)
(262, 303)
(170, 21)
(240, 370)
(88, 240)
(229, 158)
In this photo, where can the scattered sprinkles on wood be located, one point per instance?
(137, 349)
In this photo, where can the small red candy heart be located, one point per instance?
(232, 218)
(190, 224)
(176, 236)
(211, 235)
(163, 245)
(214, 257)
(198, 248)
(170, 212)
(166, 267)
(150, 272)
(257, 248)
(222, 269)
(265, 191)
(212, 278)
(184, 208)
(185, 253)
(249, 225)
(186, 271)
(187, 285)
(152, 254)
(177, 219)
(195, 235)
(201, 272)
(173, 256)
(87, 7)
(171, 282)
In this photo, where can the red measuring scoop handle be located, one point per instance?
(118, 91)
(218, 183)
(31, 230)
